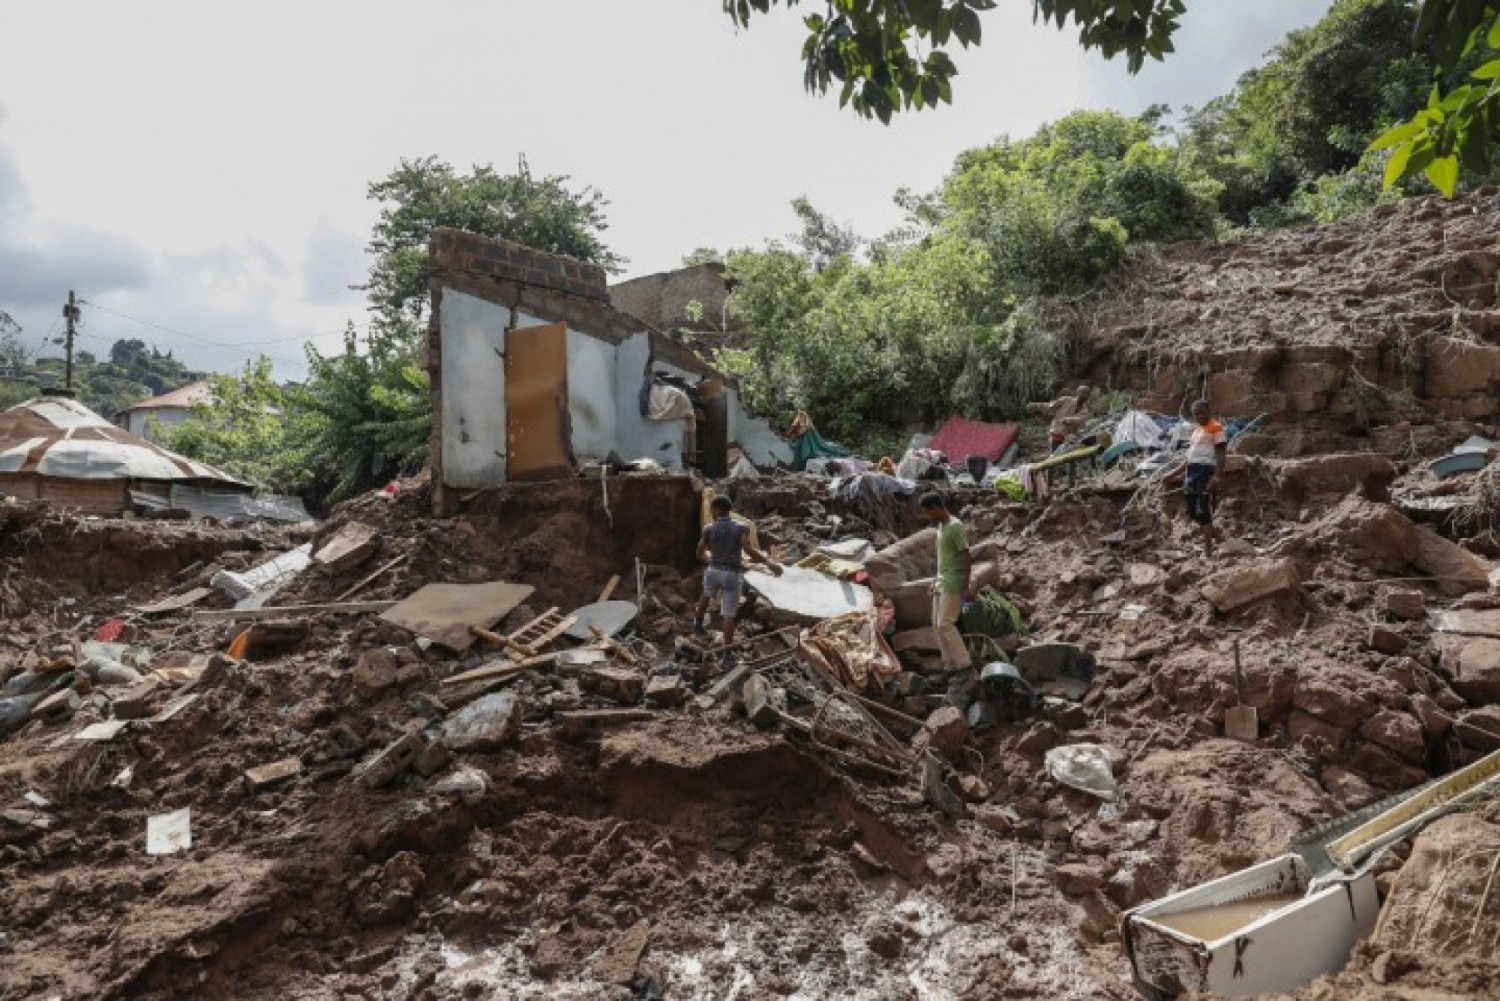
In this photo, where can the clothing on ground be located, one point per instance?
(946, 608)
(952, 544)
(1206, 439)
(725, 539)
(1200, 504)
(725, 586)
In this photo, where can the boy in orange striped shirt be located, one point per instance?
(1205, 462)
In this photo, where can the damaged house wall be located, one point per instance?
(561, 397)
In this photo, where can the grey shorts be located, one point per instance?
(724, 585)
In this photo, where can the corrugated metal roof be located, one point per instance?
(58, 436)
(191, 395)
(225, 505)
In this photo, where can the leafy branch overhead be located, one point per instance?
(1457, 128)
(885, 56)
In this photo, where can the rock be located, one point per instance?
(1331, 698)
(433, 759)
(1435, 722)
(945, 732)
(277, 771)
(760, 701)
(1397, 732)
(1403, 603)
(1435, 895)
(1301, 724)
(1474, 664)
(622, 958)
(1077, 879)
(621, 684)
(375, 670)
(1479, 728)
(1037, 740)
(1386, 641)
(485, 724)
(666, 691)
(1237, 587)
(1375, 534)
(1000, 819)
(1337, 473)
(1145, 575)
(1456, 570)
(973, 788)
(136, 701)
(350, 546)
(1456, 368)
(883, 936)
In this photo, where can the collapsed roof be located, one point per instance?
(58, 436)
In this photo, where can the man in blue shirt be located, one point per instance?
(723, 546)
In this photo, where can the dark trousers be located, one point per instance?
(1200, 503)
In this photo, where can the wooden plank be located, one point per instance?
(176, 603)
(370, 579)
(518, 636)
(291, 611)
(609, 589)
(444, 613)
(495, 670)
(264, 775)
(552, 634)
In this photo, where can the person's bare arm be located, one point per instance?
(1221, 453)
(703, 550)
(756, 556)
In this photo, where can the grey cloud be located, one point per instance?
(335, 260)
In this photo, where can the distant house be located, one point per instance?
(167, 409)
(55, 449)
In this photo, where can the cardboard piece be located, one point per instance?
(445, 613)
(169, 833)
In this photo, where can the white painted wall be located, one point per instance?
(593, 414)
(754, 436)
(639, 438)
(473, 374)
(138, 422)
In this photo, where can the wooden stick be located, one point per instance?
(496, 670)
(278, 611)
(499, 640)
(367, 580)
(609, 588)
(553, 633)
(757, 638)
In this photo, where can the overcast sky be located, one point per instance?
(196, 169)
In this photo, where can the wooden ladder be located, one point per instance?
(529, 640)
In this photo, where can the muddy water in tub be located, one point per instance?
(1218, 920)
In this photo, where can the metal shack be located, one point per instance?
(54, 448)
(535, 373)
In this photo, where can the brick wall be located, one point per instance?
(453, 250)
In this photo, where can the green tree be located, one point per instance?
(253, 428)
(420, 195)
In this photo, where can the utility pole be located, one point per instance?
(70, 313)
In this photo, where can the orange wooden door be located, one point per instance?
(536, 403)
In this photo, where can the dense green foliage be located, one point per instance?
(936, 320)
(365, 413)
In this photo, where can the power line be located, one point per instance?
(303, 338)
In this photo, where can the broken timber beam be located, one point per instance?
(287, 611)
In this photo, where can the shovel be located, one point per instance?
(1240, 722)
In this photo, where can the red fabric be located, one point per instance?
(960, 438)
(111, 631)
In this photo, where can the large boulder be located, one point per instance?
(1430, 908)
(1455, 569)
(1339, 473)
(1375, 534)
(1474, 663)
(1236, 587)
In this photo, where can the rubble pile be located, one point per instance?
(485, 755)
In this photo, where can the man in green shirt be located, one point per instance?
(954, 566)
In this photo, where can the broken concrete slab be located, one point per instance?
(484, 724)
(1386, 641)
(807, 594)
(375, 670)
(577, 722)
(350, 546)
(1234, 588)
(446, 613)
(391, 760)
(262, 776)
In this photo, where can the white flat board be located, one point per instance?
(169, 833)
(809, 594)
